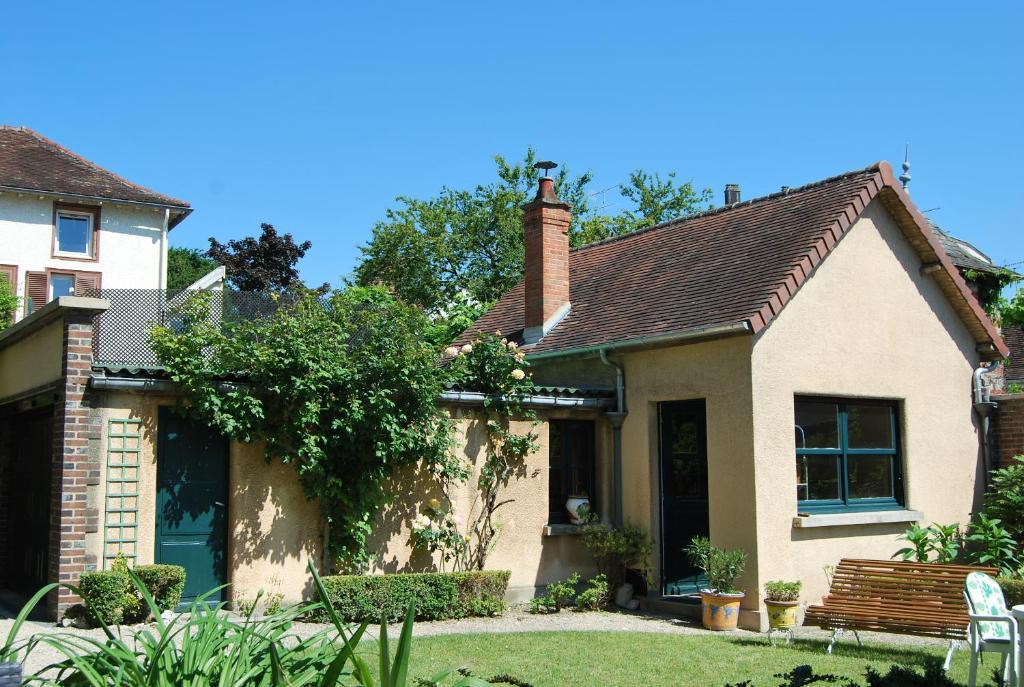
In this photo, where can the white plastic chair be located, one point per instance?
(993, 628)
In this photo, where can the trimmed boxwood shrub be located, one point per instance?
(1013, 590)
(437, 596)
(165, 583)
(112, 597)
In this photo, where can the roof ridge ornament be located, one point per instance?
(905, 177)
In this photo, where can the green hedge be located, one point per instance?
(437, 596)
(1013, 590)
(112, 597)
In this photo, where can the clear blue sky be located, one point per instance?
(314, 117)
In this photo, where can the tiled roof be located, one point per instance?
(964, 255)
(733, 267)
(1014, 337)
(33, 162)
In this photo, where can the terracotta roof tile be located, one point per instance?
(732, 266)
(34, 162)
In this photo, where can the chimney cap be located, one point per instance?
(546, 165)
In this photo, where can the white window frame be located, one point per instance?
(55, 273)
(90, 234)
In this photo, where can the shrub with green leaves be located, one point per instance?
(595, 596)
(933, 544)
(778, 590)
(1013, 590)
(992, 544)
(8, 303)
(437, 596)
(1005, 498)
(618, 548)
(721, 566)
(557, 597)
(112, 597)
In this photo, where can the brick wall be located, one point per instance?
(1008, 428)
(75, 464)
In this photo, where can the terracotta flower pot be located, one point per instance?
(781, 614)
(720, 611)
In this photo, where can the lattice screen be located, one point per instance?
(121, 518)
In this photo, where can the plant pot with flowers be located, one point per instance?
(782, 600)
(720, 602)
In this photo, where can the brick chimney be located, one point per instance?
(546, 235)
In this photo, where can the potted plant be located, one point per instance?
(578, 507)
(782, 600)
(720, 602)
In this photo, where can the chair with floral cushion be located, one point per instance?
(993, 629)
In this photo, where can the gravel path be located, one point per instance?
(515, 620)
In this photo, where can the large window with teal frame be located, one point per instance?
(847, 455)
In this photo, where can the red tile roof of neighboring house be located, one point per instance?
(729, 269)
(33, 162)
(1014, 337)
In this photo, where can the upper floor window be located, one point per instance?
(570, 465)
(75, 232)
(847, 455)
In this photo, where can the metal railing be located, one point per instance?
(121, 333)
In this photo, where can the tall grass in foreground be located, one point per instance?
(205, 647)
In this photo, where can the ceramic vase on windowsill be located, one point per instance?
(578, 508)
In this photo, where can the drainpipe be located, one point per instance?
(616, 417)
(984, 406)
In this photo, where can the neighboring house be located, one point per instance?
(69, 227)
(790, 375)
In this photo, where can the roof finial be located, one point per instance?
(905, 177)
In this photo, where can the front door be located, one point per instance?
(191, 519)
(684, 491)
(28, 502)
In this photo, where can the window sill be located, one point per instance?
(561, 530)
(871, 517)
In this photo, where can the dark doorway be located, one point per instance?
(684, 491)
(191, 502)
(28, 501)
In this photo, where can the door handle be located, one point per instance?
(218, 503)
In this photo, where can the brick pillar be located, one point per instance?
(75, 465)
(546, 268)
(1008, 428)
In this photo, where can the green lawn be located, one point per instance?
(609, 659)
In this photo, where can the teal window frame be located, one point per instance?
(845, 453)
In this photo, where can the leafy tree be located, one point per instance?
(471, 241)
(185, 266)
(266, 263)
(344, 387)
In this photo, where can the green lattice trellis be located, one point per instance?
(121, 514)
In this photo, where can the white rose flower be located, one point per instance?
(512, 345)
(518, 374)
(468, 348)
(451, 351)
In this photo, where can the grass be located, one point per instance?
(609, 659)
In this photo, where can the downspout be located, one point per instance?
(162, 279)
(984, 406)
(616, 417)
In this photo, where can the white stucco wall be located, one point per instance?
(129, 242)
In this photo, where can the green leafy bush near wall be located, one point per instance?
(112, 598)
(436, 596)
(165, 583)
(1013, 590)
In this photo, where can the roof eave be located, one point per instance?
(644, 342)
(180, 211)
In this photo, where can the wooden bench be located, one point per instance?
(921, 599)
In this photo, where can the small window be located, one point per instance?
(61, 285)
(74, 234)
(570, 465)
(847, 455)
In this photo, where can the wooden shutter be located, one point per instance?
(37, 291)
(87, 284)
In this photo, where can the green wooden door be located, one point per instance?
(191, 519)
(684, 491)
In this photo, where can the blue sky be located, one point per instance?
(315, 116)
